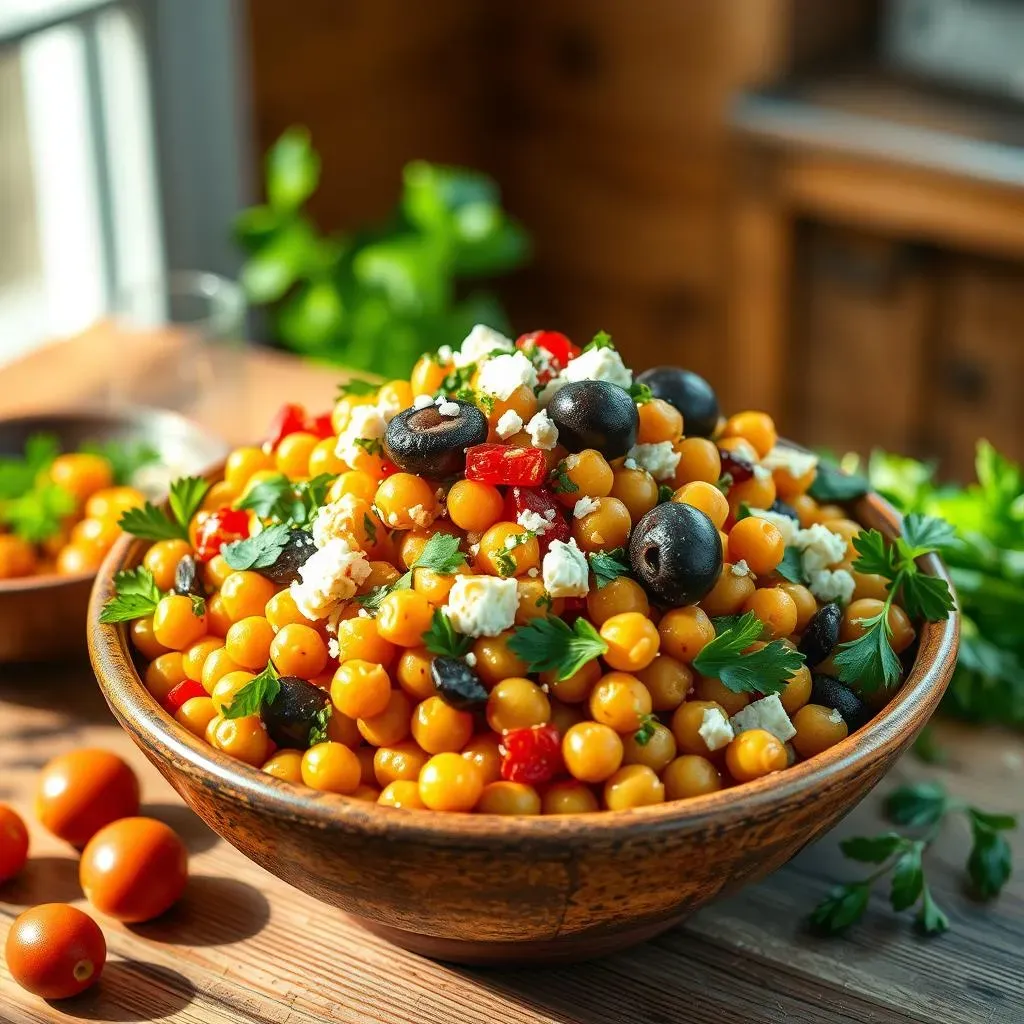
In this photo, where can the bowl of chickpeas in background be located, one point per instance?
(55, 533)
(330, 739)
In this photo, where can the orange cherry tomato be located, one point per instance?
(13, 843)
(81, 791)
(134, 869)
(55, 951)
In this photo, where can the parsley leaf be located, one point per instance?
(763, 671)
(442, 639)
(923, 803)
(318, 730)
(725, 482)
(39, 513)
(844, 906)
(152, 523)
(137, 596)
(791, 567)
(990, 862)
(370, 445)
(600, 340)
(259, 552)
(869, 661)
(551, 645)
(646, 732)
(357, 388)
(608, 566)
(640, 393)
(832, 484)
(665, 493)
(907, 878)
(926, 533)
(874, 555)
(185, 498)
(19, 475)
(441, 554)
(872, 850)
(266, 498)
(930, 918)
(561, 482)
(251, 698)
(286, 501)
(505, 563)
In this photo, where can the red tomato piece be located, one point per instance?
(532, 755)
(502, 465)
(560, 350)
(321, 425)
(542, 501)
(184, 691)
(221, 527)
(290, 419)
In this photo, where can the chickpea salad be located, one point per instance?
(523, 581)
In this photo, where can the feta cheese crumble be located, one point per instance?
(478, 345)
(365, 423)
(584, 507)
(794, 462)
(628, 463)
(740, 568)
(835, 717)
(598, 364)
(660, 460)
(819, 548)
(450, 409)
(534, 522)
(329, 576)
(501, 375)
(832, 585)
(470, 659)
(715, 729)
(422, 401)
(786, 526)
(482, 605)
(510, 423)
(542, 430)
(566, 573)
(762, 472)
(766, 713)
(335, 519)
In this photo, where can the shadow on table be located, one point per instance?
(70, 687)
(132, 990)
(214, 911)
(43, 880)
(194, 833)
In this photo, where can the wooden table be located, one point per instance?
(243, 946)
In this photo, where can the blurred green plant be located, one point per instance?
(986, 562)
(377, 298)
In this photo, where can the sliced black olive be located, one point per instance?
(294, 555)
(781, 508)
(186, 577)
(595, 414)
(294, 712)
(690, 393)
(457, 684)
(831, 693)
(676, 554)
(424, 442)
(822, 634)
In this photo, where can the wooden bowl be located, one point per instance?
(43, 616)
(497, 890)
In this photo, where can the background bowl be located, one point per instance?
(488, 889)
(43, 617)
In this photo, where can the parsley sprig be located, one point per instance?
(152, 523)
(258, 692)
(791, 567)
(600, 340)
(608, 566)
(286, 501)
(440, 554)
(924, 805)
(551, 645)
(870, 661)
(766, 670)
(259, 552)
(137, 596)
(441, 638)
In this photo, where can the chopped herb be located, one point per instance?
(551, 645)
(198, 605)
(321, 723)
(725, 482)
(665, 493)
(19, 475)
(608, 566)
(544, 601)
(743, 512)
(137, 596)
(457, 379)
(441, 638)
(286, 501)
(505, 563)
(763, 671)
(646, 732)
(640, 393)
(39, 513)
(259, 552)
(485, 401)
(561, 482)
(440, 554)
(832, 484)
(791, 567)
(255, 695)
(357, 388)
(152, 523)
(600, 340)
(370, 445)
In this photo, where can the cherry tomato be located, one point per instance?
(559, 348)
(55, 951)
(84, 790)
(221, 527)
(290, 419)
(134, 869)
(13, 843)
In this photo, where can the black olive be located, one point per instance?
(831, 693)
(424, 442)
(676, 554)
(822, 634)
(186, 577)
(780, 507)
(296, 552)
(457, 684)
(691, 394)
(595, 414)
(294, 711)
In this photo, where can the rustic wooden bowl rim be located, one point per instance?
(152, 727)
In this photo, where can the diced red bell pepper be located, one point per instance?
(224, 526)
(321, 425)
(503, 465)
(290, 419)
(542, 501)
(184, 691)
(532, 755)
(559, 348)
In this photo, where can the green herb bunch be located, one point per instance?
(378, 297)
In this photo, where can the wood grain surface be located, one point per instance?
(244, 946)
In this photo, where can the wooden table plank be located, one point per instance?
(243, 946)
